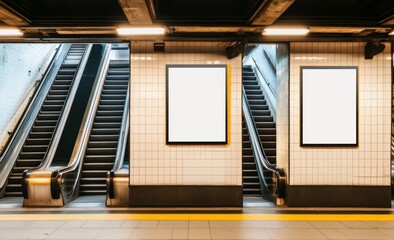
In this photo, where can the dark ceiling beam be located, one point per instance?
(389, 21)
(271, 11)
(11, 17)
(136, 11)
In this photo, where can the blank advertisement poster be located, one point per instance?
(329, 107)
(196, 104)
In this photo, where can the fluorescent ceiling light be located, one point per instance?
(10, 32)
(141, 31)
(285, 31)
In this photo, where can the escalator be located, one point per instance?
(95, 146)
(42, 132)
(103, 142)
(266, 128)
(261, 176)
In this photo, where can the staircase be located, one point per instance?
(266, 129)
(103, 142)
(39, 139)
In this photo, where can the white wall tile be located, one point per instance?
(154, 162)
(20, 65)
(367, 164)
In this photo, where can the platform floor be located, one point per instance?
(87, 218)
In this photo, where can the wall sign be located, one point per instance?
(196, 104)
(329, 106)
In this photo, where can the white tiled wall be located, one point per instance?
(282, 106)
(19, 66)
(152, 161)
(367, 164)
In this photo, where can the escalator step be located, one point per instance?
(255, 97)
(35, 148)
(99, 158)
(37, 141)
(31, 155)
(92, 192)
(110, 131)
(106, 125)
(109, 96)
(110, 107)
(121, 77)
(108, 118)
(98, 166)
(40, 134)
(98, 137)
(109, 113)
(28, 163)
(42, 123)
(112, 101)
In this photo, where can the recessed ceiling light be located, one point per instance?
(10, 32)
(285, 31)
(141, 31)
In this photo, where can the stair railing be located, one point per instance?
(279, 175)
(63, 182)
(11, 152)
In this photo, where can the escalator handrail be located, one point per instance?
(16, 142)
(121, 149)
(53, 144)
(124, 132)
(82, 141)
(279, 179)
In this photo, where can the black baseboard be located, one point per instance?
(186, 196)
(339, 196)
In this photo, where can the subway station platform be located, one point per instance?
(87, 218)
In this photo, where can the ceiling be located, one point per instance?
(193, 19)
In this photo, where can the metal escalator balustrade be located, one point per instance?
(103, 142)
(261, 125)
(40, 136)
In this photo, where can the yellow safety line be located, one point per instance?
(228, 217)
